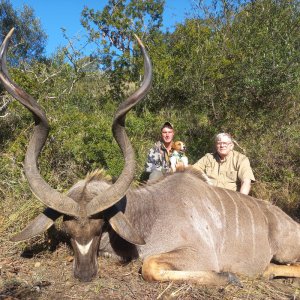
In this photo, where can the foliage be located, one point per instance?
(234, 69)
(112, 30)
(243, 77)
(119, 20)
(29, 38)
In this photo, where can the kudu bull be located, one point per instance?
(183, 228)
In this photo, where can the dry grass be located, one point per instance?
(42, 269)
(42, 279)
(15, 214)
(32, 271)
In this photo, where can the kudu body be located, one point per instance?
(183, 228)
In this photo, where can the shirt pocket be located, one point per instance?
(232, 176)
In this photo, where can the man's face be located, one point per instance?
(224, 146)
(167, 135)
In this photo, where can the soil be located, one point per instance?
(33, 271)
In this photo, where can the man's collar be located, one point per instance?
(218, 158)
(161, 145)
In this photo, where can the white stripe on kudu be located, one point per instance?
(84, 249)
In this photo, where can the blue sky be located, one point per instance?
(55, 14)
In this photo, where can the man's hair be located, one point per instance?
(221, 135)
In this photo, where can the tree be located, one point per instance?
(29, 38)
(112, 29)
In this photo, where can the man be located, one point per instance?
(225, 167)
(158, 157)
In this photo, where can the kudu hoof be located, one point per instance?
(232, 279)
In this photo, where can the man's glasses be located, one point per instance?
(223, 144)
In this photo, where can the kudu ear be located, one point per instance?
(123, 228)
(39, 225)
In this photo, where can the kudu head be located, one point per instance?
(90, 203)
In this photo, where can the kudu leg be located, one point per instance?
(274, 270)
(165, 267)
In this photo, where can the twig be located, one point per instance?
(162, 293)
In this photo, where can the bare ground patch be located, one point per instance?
(35, 272)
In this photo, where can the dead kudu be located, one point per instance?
(183, 228)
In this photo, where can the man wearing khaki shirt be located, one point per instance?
(226, 167)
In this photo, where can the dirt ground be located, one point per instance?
(33, 271)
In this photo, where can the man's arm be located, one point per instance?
(153, 160)
(150, 163)
(200, 164)
(246, 176)
(245, 186)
